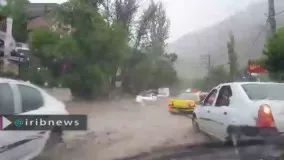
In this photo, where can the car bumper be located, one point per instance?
(181, 110)
(268, 134)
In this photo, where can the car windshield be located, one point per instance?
(146, 73)
(188, 96)
(264, 91)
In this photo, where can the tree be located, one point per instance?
(148, 65)
(97, 46)
(159, 30)
(232, 55)
(274, 55)
(17, 10)
(216, 76)
(156, 68)
(91, 47)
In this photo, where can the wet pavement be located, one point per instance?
(124, 128)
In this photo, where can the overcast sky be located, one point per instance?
(190, 15)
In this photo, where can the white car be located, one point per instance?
(146, 98)
(241, 111)
(23, 98)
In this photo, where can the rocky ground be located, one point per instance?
(124, 128)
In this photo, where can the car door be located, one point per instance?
(32, 103)
(221, 112)
(10, 141)
(205, 111)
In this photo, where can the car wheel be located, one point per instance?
(54, 138)
(235, 139)
(195, 125)
(232, 140)
(172, 113)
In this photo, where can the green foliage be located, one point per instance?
(275, 56)
(233, 59)
(17, 10)
(216, 76)
(98, 47)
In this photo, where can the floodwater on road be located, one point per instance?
(124, 128)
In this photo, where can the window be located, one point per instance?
(210, 98)
(31, 98)
(272, 91)
(224, 96)
(202, 96)
(6, 99)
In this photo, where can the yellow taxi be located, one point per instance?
(185, 102)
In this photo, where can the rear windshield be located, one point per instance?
(264, 91)
(188, 96)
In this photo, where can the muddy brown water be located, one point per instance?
(118, 129)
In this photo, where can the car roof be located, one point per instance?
(242, 83)
(9, 80)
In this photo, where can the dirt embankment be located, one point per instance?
(124, 128)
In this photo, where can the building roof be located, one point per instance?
(37, 23)
(39, 9)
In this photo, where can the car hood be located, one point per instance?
(212, 151)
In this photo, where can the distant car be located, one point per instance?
(24, 98)
(148, 97)
(162, 95)
(242, 110)
(184, 103)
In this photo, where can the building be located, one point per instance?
(36, 15)
(7, 46)
(12, 54)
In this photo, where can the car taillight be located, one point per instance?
(191, 104)
(265, 117)
(171, 104)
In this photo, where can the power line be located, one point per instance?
(279, 13)
(257, 37)
(276, 14)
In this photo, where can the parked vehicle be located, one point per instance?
(24, 98)
(242, 110)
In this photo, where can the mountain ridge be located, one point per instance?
(249, 27)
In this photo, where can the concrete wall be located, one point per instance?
(62, 94)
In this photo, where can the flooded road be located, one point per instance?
(124, 128)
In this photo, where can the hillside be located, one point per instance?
(246, 25)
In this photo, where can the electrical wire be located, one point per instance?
(256, 39)
(279, 13)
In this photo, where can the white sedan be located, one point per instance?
(146, 98)
(23, 98)
(241, 110)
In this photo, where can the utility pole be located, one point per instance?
(207, 60)
(7, 41)
(271, 16)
